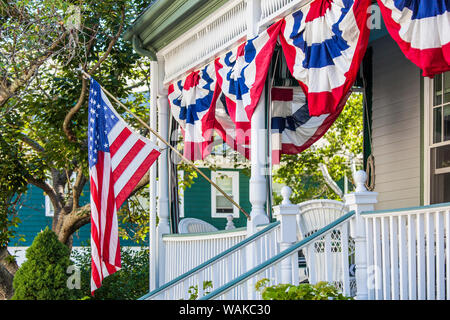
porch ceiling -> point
(165, 20)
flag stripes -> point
(118, 159)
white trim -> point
(427, 129)
(428, 138)
(234, 175)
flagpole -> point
(171, 147)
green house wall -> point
(33, 220)
(197, 200)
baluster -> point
(393, 229)
(403, 264)
(200, 280)
(312, 263)
(440, 257)
(294, 262)
(328, 259)
(421, 275)
(370, 255)
(430, 253)
(344, 259)
(377, 259)
(386, 258)
(412, 252)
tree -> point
(44, 275)
(335, 154)
(44, 97)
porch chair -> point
(314, 215)
(193, 225)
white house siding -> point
(395, 126)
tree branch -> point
(66, 124)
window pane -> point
(437, 125)
(440, 179)
(226, 184)
(447, 123)
(447, 87)
(223, 205)
(442, 157)
(437, 90)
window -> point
(439, 148)
(49, 210)
(228, 181)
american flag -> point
(118, 159)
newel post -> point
(287, 213)
(361, 200)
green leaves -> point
(304, 291)
(43, 276)
(342, 143)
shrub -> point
(129, 283)
(304, 291)
(43, 276)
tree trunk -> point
(8, 268)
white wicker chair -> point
(314, 215)
(193, 225)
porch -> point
(368, 254)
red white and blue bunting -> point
(422, 30)
(324, 44)
(293, 129)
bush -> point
(304, 291)
(43, 276)
(129, 283)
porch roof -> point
(164, 20)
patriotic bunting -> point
(324, 44)
(293, 129)
(422, 30)
(190, 102)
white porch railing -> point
(285, 264)
(187, 251)
(408, 253)
(188, 266)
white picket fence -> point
(408, 253)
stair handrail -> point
(206, 264)
(277, 258)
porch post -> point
(163, 176)
(153, 173)
(287, 213)
(359, 201)
(258, 154)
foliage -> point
(129, 283)
(43, 276)
(43, 119)
(342, 144)
(12, 182)
(304, 291)
(193, 290)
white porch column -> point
(153, 174)
(258, 154)
(163, 175)
(361, 200)
(287, 213)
